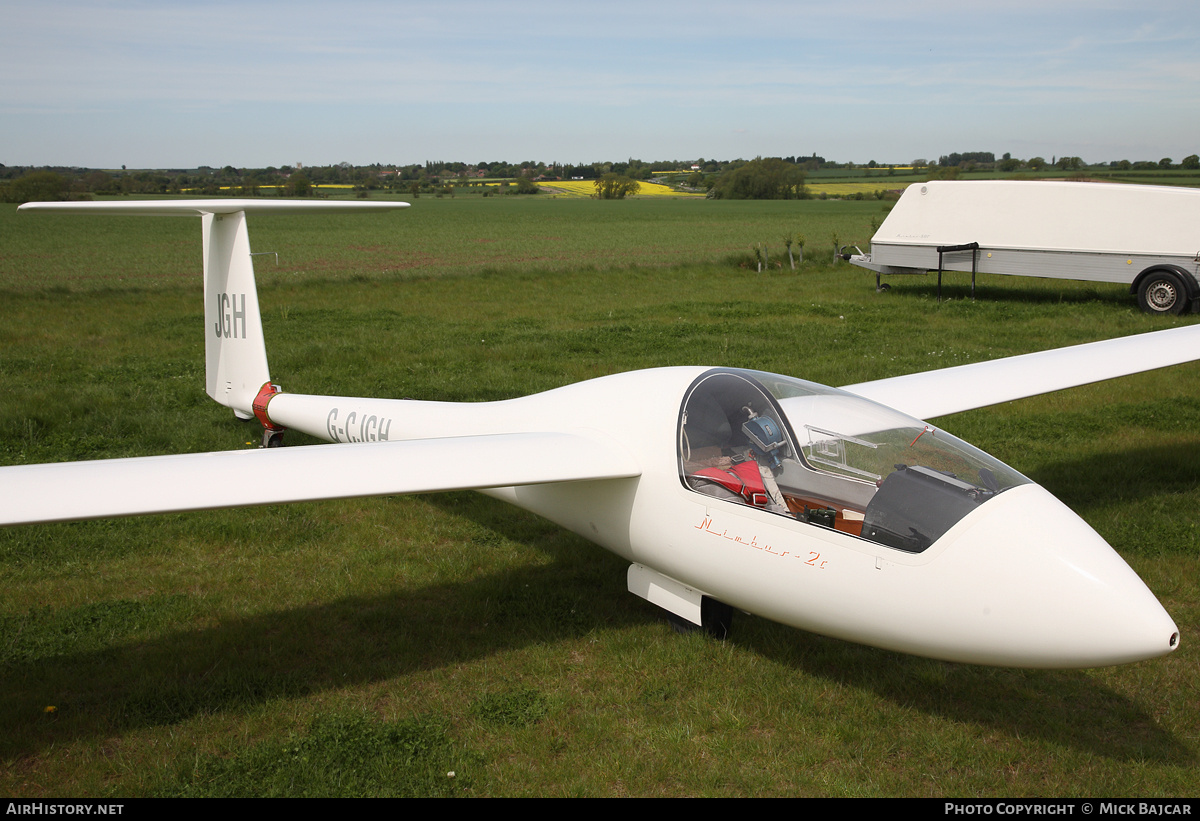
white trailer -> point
(1143, 236)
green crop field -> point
(449, 645)
(436, 237)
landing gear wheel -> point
(272, 439)
(716, 620)
(1162, 292)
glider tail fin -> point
(235, 351)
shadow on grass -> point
(247, 662)
(1065, 707)
(957, 286)
(1129, 475)
(242, 663)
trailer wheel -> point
(1161, 292)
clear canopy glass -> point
(839, 461)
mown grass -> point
(373, 646)
(441, 237)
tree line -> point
(760, 178)
(22, 183)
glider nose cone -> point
(1051, 591)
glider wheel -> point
(716, 620)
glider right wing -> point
(966, 387)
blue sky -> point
(102, 83)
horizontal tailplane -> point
(235, 351)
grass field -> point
(372, 647)
(438, 237)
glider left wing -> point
(68, 491)
(966, 387)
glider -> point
(837, 511)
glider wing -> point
(68, 491)
(966, 387)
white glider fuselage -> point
(815, 507)
(1021, 580)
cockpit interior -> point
(830, 459)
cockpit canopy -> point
(838, 460)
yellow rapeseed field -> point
(332, 185)
(587, 188)
(841, 189)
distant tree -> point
(527, 186)
(943, 172)
(758, 256)
(789, 239)
(637, 170)
(612, 186)
(956, 158)
(36, 186)
(99, 182)
(298, 185)
(1036, 163)
(762, 179)
(1191, 162)
(1164, 163)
